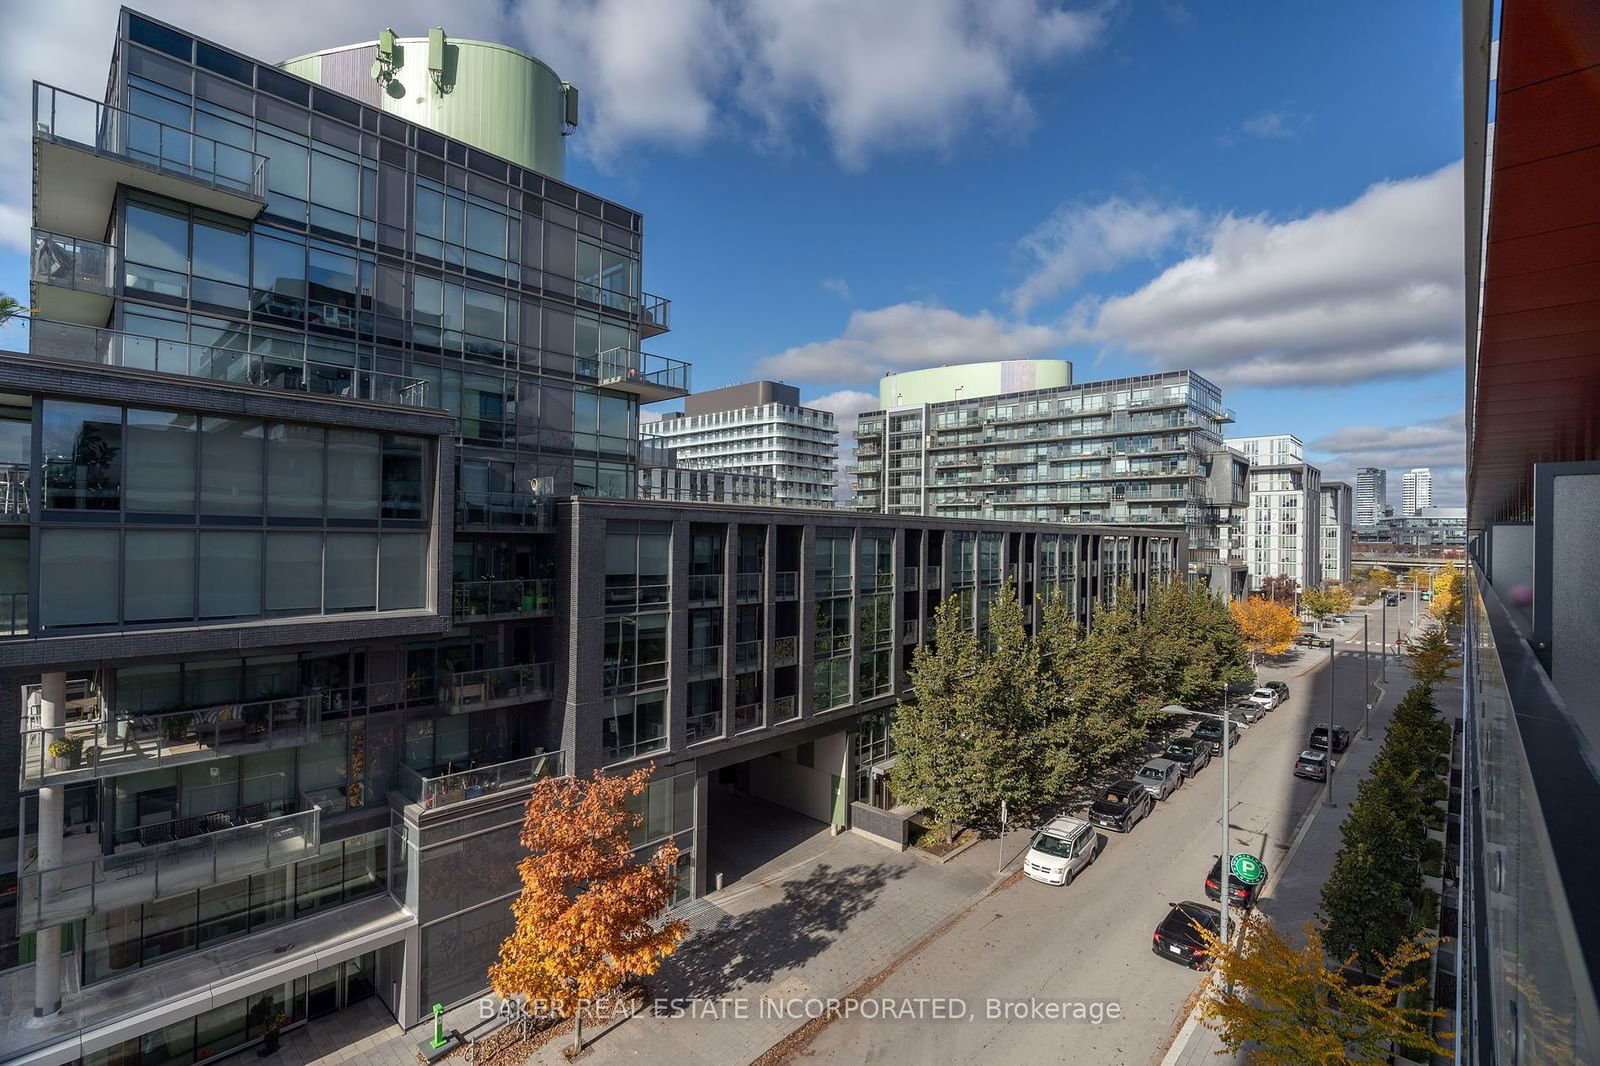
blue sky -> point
(1265, 192)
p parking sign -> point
(1248, 868)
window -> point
(294, 471)
(161, 462)
(634, 726)
(82, 456)
(635, 650)
(293, 573)
(158, 576)
(704, 721)
(654, 808)
(402, 571)
(354, 474)
(76, 568)
(231, 466)
(350, 572)
(230, 574)
(636, 569)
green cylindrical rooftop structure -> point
(486, 95)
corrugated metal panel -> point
(350, 72)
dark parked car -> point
(1280, 687)
(1312, 764)
(1121, 805)
(1190, 753)
(1319, 738)
(1177, 937)
(1211, 730)
(1239, 893)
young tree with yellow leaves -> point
(584, 918)
(1266, 628)
(1449, 590)
(1294, 1010)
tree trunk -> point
(577, 1032)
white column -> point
(47, 942)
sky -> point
(1269, 194)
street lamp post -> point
(1332, 648)
(1366, 671)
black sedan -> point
(1211, 730)
(1120, 806)
(1178, 939)
(1319, 739)
(1190, 753)
(1239, 893)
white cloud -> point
(839, 287)
(1268, 126)
(1369, 290)
(1437, 443)
(846, 405)
(1081, 239)
(906, 336)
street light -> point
(1332, 648)
(1225, 860)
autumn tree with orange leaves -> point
(585, 918)
(1266, 628)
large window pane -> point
(334, 183)
(294, 573)
(161, 462)
(157, 238)
(354, 474)
(77, 570)
(230, 466)
(405, 464)
(82, 456)
(294, 471)
(169, 927)
(221, 249)
(286, 165)
(278, 276)
(230, 574)
(351, 572)
(158, 576)
(402, 572)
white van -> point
(1060, 850)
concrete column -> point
(52, 806)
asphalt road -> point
(1089, 943)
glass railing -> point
(655, 312)
(832, 584)
(214, 849)
(74, 263)
(784, 708)
(747, 587)
(620, 366)
(16, 490)
(112, 743)
(747, 717)
(68, 118)
(434, 788)
(13, 614)
(491, 599)
(516, 510)
(747, 654)
(933, 576)
(880, 581)
(910, 577)
(705, 588)
(471, 689)
(785, 651)
(702, 660)
(105, 347)
(908, 630)
(786, 585)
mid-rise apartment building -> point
(1283, 523)
(661, 478)
(311, 571)
(1018, 441)
(1336, 531)
(1372, 496)
(760, 429)
(1416, 491)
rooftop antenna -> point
(383, 66)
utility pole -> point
(1366, 671)
(1332, 648)
(1226, 862)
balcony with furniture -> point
(497, 686)
(528, 512)
(485, 601)
(445, 786)
(646, 376)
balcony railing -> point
(74, 263)
(470, 690)
(433, 789)
(705, 588)
(219, 848)
(515, 598)
(784, 708)
(13, 614)
(833, 584)
(785, 651)
(786, 585)
(747, 588)
(630, 369)
(747, 717)
(910, 577)
(746, 655)
(106, 743)
(908, 630)
(16, 495)
(68, 118)
(933, 576)
(704, 661)
(654, 314)
(882, 581)
(503, 510)
(105, 347)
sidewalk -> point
(1292, 900)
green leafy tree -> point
(1365, 899)
(1319, 603)
(1431, 657)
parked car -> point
(1211, 730)
(1178, 936)
(1061, 850)
(1265, 698)
(1319, 738)
(1190, 753)
(1312, 641)
(1160, 777)
(1280, 687)
(1239, 893)
(1312, 764)
(1121, 805)
(1247, 711)
(1392, 601)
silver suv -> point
(1160, 777)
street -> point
(1090, 942)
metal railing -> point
(908, 630)
(655, 312)
(219, 851)
(746, 654)
(705, 588)
(784, 708)
(910, 577)
(786, 585)
(106, 347)
(110, 742)
(627, 365)
(73, 263)
(933, 576)
(747, 587)
(833, 584)
(515, 597)
(16, 490)
(516, 510)
(13, 614)
(467, 690)
(66, 117)
(703, 660)
(434, 789)
(747, 717)
(785, 651)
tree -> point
(1266, 628)
(1431, 657)
(1319, 603)
(1365, 899)
(1341, 598)
(9, 308)
(1279, 589)
(586, 912)
(1449, 592)
(1293, 1009)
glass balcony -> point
(785, 708)
(474, 690)
(526, 511)
(747, 655)
(910, 577)
(13, 614)
(705, 588)
(747, 717)
(933, 576)
(654, 315)
(515, 598)
(199, 851)
(747, 588)
(84, 149)
(785, 651)
(433, 789)
(705, 661)
(73, 279)
(649, 377)
(786, 585)
(99, 741)
(105, 347)
(908, 630)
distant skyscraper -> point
(1416, 491)
(1372, 495)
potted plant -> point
(270, 1035)
(65, 751)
